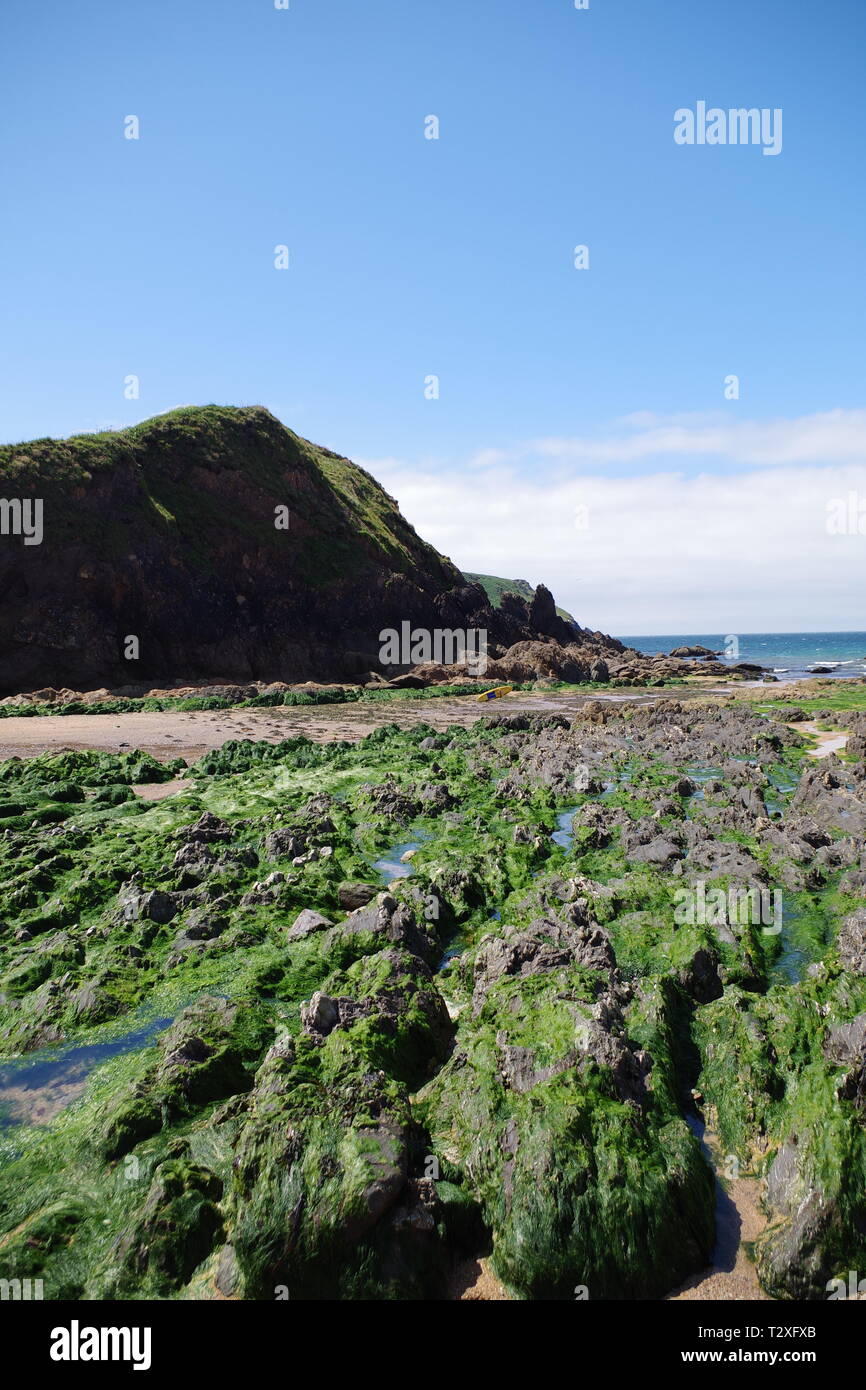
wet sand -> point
(171, 734)
(158, 791)
(475, 1280)
(739, 1219)
(829, 740)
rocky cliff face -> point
(228, 548)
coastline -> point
(190, 734)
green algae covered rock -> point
(47, 1233)
(175, 1229)
(268, 1073)
(584, 1172)
(321, 1157)
(204, 1058)
(787, 1097)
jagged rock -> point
(155, 905)
(702, 978)
(284, 844)
(795, 1258)
(845, 1046)
(851, 942)
(92, 1003)
(196, 857)
(228, 1277)
(306, 922)
(177, 1226)
(394, 923)
(321, 1014)
(660, 852)
(208, 830)
(845, 1043)
(548, 945)
(353, 895)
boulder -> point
(307, 922)
(354, 895)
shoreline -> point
(173, 733)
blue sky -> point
(453, 257)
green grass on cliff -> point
(200, 475)
(495, 587)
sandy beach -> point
(190, 734)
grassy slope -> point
(185, 463)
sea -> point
(789, 655)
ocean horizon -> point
(789, 655)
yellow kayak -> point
(495, 694)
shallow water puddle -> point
(460, 943)
(699, 773)
(623, 778)
(778, 794)
(563, 835)
(739, 1219)
(390, 864)
(801, 945)
(34, 1088)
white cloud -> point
(665, 552)
(832, 436)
